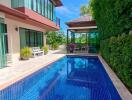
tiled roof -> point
(84, 18)
(57, 3)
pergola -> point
(84, 25)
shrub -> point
(25, 53)
(55, 46)
(45, 49)
(113, 17)
(117, 51)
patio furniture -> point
(84, 48)
(36, 51)
(71, 47)
(76, 49)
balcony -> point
(57, 21)
(32, 15)
(39, 10)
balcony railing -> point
(57, 21)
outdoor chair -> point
(84, 48)
(36, 51)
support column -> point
(67, 40)
(44, 39)
(86, 38)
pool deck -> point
(17, 71)
(21, 69)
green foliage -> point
(55, 46)
(84, 10)
(81, 38)
(25, 53)
(117, 51)
(55, 37)
(113, 17)
(45, 49)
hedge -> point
(114, 19)
(117, 51)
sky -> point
(69, 11)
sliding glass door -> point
(94, 42)
(30, 38)
(3, 45)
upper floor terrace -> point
(42, 11)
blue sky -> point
(69, 11)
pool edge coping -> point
(120, 87)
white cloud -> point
(65, 11)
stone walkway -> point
(22, 69)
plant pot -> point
(45, 53)
(24, 58)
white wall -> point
(2, 15)
(6, 2)
(14, 37)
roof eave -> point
(74, 23)
(12, 11)
(57, 3)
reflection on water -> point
(70, 78)
(83, 78)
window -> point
(30, 38)
(35, 5)
(17, 3)
(3, 48)
(39, 6)
(43, 7)
(1, 20)
(52, 11)
(46, 8)
(54, 15)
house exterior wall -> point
(14, 36)
(6, 2)
(28, 18)
(2, 15)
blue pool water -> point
(70, 78)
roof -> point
(84, 18)
(57, 3)
(83, 24)
(83, 21)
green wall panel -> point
(2, 45)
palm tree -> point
(84, 10)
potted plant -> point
(25, 53)
(45, 49)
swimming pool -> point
(70, 78)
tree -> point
(87, 9)
(55, 37)
(84, 10)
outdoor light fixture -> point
(16, 28)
